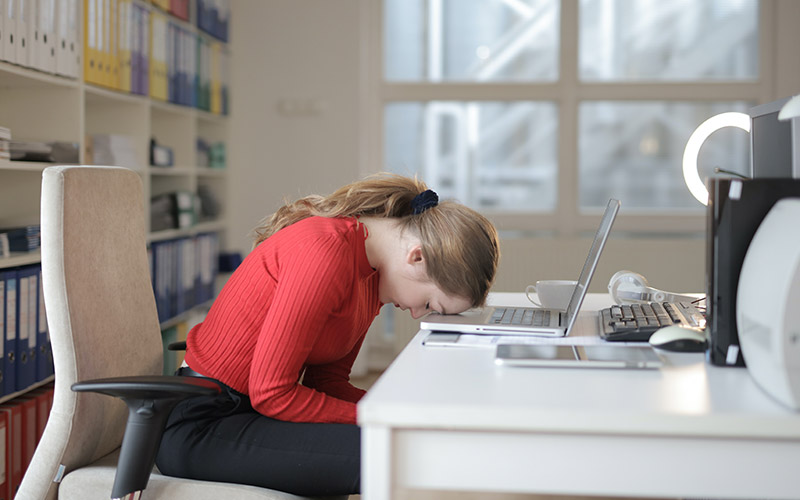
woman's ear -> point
(414, 256)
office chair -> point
(106, 338)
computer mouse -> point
(679, 339)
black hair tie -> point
(423, 201)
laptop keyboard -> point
(636, 322)
(524, 316)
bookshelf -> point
(41, 106)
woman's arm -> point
(311, 284)
(334, 378)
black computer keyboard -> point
(636, 322)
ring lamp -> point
(690, 174)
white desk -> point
(448, 418)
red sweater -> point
(297, 307)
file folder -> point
(66, 38)
(161, 266)
(144, 54)
(102, 42)
(46, 24)
(22, 44)
(124, 44)
(26, 329)
(183, 66)
(172, 63)
(44, 357)
(113, 48)
(10, 336)
(3, 14)
(13, 415)
(179, 271)
(32, 41)
(5, 488)
(136, 47)
(75, 40)
(158, 55)
(204, 97)
(28, 405)
(190, 55)
(3, 333)
(215, 104)
(92, 64)
(225, 83)
(10, 30)
(61, 38)
(180, 70)
(44, 402)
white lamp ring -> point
(690, 174)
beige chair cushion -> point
(95, 481)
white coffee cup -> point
(551, 294)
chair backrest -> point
(101, 312)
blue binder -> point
(181, 303)
(10, 334)
(27, 305)
(44, 356)
(160, 285)
(3, 333)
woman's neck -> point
(384, 242)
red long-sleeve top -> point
(298, 307)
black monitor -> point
(774, 144)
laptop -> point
(537, 321)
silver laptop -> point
(530, 320)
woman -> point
(283, 334)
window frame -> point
(567, 93)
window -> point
(678, 40)
(538, 111)
(487, 154)
(471, 40)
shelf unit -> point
(38, 106)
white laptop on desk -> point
(499, 320)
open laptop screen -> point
(590, 265)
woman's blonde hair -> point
(459, 245)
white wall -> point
(294, 105)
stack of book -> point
(19, 239)
(44, 151)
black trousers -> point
(222, 438)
